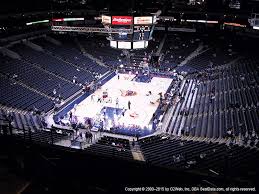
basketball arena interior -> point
(114, 96)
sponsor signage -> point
(143, 20)
(58, 20)
(106, 19)
(122, 20)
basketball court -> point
(115, 96)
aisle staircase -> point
(85, 53)
(194, 54)
(136, 151)
(161, 45)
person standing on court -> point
(117, 102)
(129, 104)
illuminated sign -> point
(154, 19)
(67, 19)
(122, 20)
(212, 22)
(58, 20)
(37, 22)
(106, 19)
(201, 21)
(143, 20)
(234, 24)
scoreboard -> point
(140, 26)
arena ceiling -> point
(17, 6)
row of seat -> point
(69, 52)
(16, 95)
(31, 126)
(45, 72)
(52, 64)
(102, 50)
(21, 122)
(219, 99)
(112, 147)
(176, 49)
(37, 78)
(203, 156)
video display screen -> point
(124, 45)
(139, 45)
(113, 44)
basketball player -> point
(92, 97)
(99, 99)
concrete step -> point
(137, 156)
(136, 152)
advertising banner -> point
(143, 20)
(106, 19)
(122, 20)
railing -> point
(89, 29)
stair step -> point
(137, 156)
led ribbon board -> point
(37, 22)
(67, 19)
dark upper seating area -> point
(69, 52)
(208, 158)
(102, 50)
(52, 64)
(210, 58)
(176, 48)
(113, 147)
